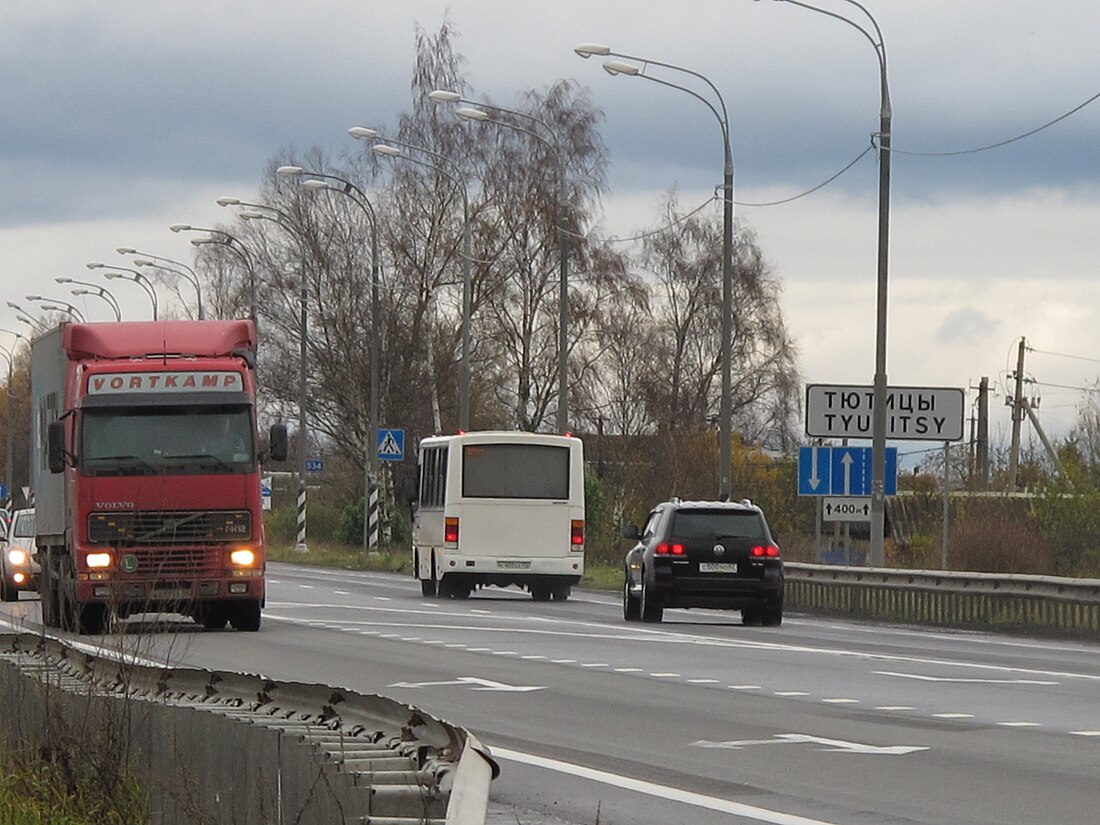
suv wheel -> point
(632, 609)
(772, 615)
(651, 608)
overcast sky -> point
(121, 117)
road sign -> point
(265, 493)
(391, 444)
(315, 465)
(846, 508)
(842, 471)
(912, 413)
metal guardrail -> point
(1017, 603)
(379, 762)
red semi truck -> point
(146, 472)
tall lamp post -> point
(478, 115)
(278, 216)
(24, 317)
(879, 393)
(134, 276)
(386, 150)
(184, 270)
(57, 305)
(94, 289)
(8, 472)
(725, 409)
(359, 197)
(227, 240)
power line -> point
(1001, 143)
(1064, 355)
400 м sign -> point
(912, 413)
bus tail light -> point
(576, 532)
(450, 530)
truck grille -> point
(172, 528)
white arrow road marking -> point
(474, 683)
(832, 745)
(923, 678)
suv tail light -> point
(769, 551)
(668, 548)
(576, 532)
(450, 530)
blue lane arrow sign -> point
(843, 471)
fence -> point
(246, 749)
(1017, 603)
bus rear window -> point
(515, 471)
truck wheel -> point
(47, 593)
(245, 616)
(540, 592)
(90, 619)
(8, 591)
(212, 616)
(428, 587)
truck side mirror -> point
(55, 447)
(279, 443)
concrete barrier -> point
(228, 747)
(1016, 603)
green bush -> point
(67, 789)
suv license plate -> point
(513, 565)
(715, 567)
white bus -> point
(499, 508)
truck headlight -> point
(243, 557)
(17, 556)
(98, 560)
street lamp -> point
(241, 251)
(281, 218)
(725, 413)
(25, 317)
(478, 115)
(134, 276)
(184, 270)
(57, 305)
(94, 289)
(385, 150)
(8, 472)
(359, 197)
(879, 393)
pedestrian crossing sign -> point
(391, 444)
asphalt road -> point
(696, 720)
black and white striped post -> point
(372, 517)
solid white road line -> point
(652, 789)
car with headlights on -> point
(709, 554)
(19, 562)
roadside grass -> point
(597, 575)
(66, 791)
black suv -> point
(717, 554)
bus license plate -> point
(716, 567)
(513, 565)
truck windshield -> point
(137, 441)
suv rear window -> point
(691, 524)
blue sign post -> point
(391, 444)
(842, 471)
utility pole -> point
(1017, 418)
(983, 433)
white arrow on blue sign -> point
(842, 471)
